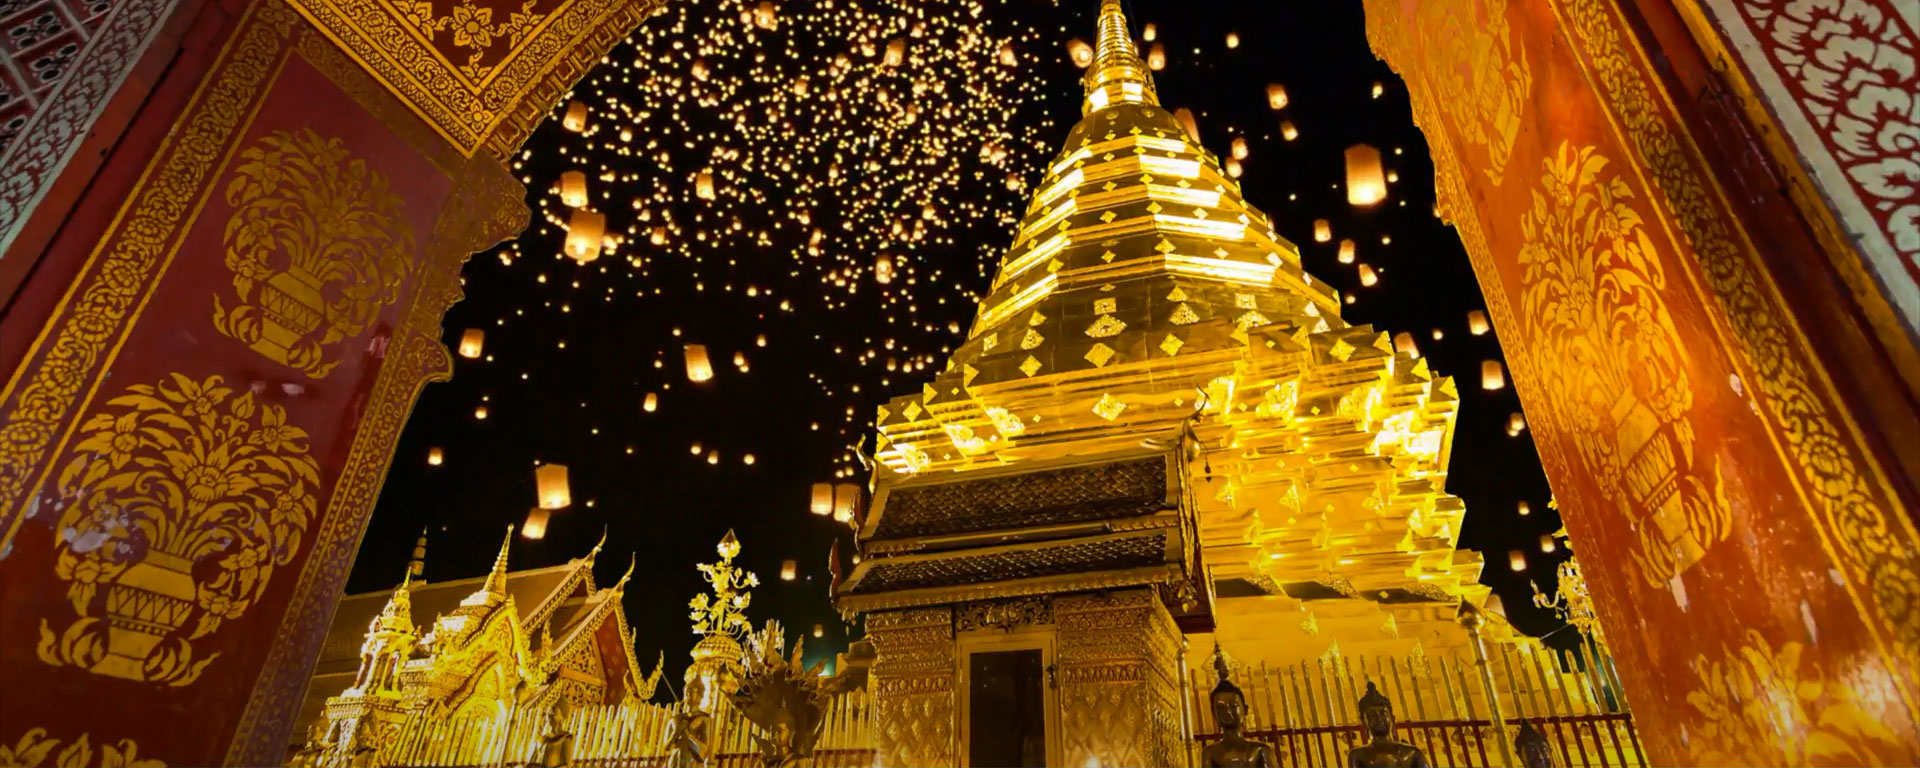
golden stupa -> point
(1153, 368)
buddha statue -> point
(556, 750)
(1229, 710)
(1533, 748)
(690, 729)
(1376, 712)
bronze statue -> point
(1229, 710)
(785, 698)
(1533, 748)
(556, 741)
(1383, 751)
(690, 729)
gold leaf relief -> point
(317, 246)
(181, 498)
(1592, 301)
(1481, 67)
(34, 748)
(1758, 706)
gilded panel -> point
(1118, 657)
(915, 712)
(35, 749)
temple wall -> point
(916, 714)
(1731, 491)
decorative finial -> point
(633, 559)
(601, 543)
(1117, 73)
(418, 564)
(1221, 671)
(497, 579)
(729, 546)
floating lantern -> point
(1185, 117)
(747, 459)
(573, 189)
(1477, 323)
(1378, 89)
(550, 481)
(822, 499)
(471, 341)
(480, 412)
(1239, 148)
(760, 340)
(740, 361)
(652, 402)
(789, 570)
(576, 118)
(703, 185)
(1516, 424)
(535, 528)
(846, 496)
(819, 630)
(1322, 231)
(1525, 509)
(896, 52)
(763, 15)
(1233, 40)
(883, 269)
(1233, 168)
(1367, 276)
(1007, 56)
(699, 369)
(1516, 560)
(1149, 32)
(435, 457)
(1366, 185)
(1276, 96)
(1157, 57)
(1547, 544)
(696, 449)
(1493, 375)
(586, 232)
(1287, 130)
(1403, 342)
(713, 457)
(1346, 251)
(1439, 334)
(1080, 52)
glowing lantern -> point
(1288, 131)
(703, 185)
(740, 361)
(576, 119)
(713, 457)
(1525, 509)
(1493, 375)
(471, 341)
(1378, 89)
(1516, 560)
(760, 340)
(1366, 184)
(1233, 40)
(819, 630)
(1346, 251)
(1185, 116)
(573, 189)
(480, 412)
(747, 459)
(550, 482)
(789, 570)
(1477, 323)
(1516, 423)
(1276, 96)
(1080, 52)
(883, 269)
(1547, 544)
(1233, 168)
(896, 52)
(1149, 33)
(846, 496)
(696, 449)
(1367, 276)
(1007, 57)
(763, 16)
(1403, 342)
(1157, 57)
(1322, 231)
(699, 369)
(1239, 148)
(535, 528)
(434, 457)
(822, 499)
(699, 69)
(586, 232)
(1439, 334)
(652, 402)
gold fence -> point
(1445, 704)
(624, 735)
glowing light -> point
(535, 527)
(1547, 544)
(1233, 40)
(699, 368)
(789, 570)
(1276, 96)
(1288, 131)
(1525, 509)
(822, 499)
(1493, 375)
(585, 230)
(1403, 342)
(471, 342)
(576, 119)
(1477, 323)
(651, 403)
(435, 457)
(573, 189)
(1516, 423)
(1346, 250)
(1367, 276)
(1365, 183)
(1322, 231)
(1080, 52)
(1516, 560)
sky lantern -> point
(1149, 32)
(846, 497)
(1346, 250)
(1366, 185)
(883, 269)
(763, 15)
(1276, 96)
(1322, 231)
(1368, 277)
(1233, 168)
(699, 369)
(1516, 423)
(703, 185)
(1516, 560)
(480, 413)
(789, 570)
(740, 361)
(1378, 89)
(1157, 57)
(576, 118)
(535, 528)
(1185, 116)
(1524, 508)
(550, 483)
(435, 456)
(1233, 40)
(652, 403)
(1493, 375)
(1477, 323)
(1239, 148)
(1080, 52)
(586, 233)
(1288, 131)
(1007, 56)
(896, 52)
(822, 499)
(1547, 544)
(1403, 342)
(819, 630)
(573, 189)
(471, 342)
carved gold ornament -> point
(180, 500)
(1592, 304)
(317, 246)
(474, 31)
(34, 750)
(1758, 707)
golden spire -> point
(497, 579)
(1117, 73)
(418, 564)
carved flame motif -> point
(1597, 324)
(316, 245)
(181, 500)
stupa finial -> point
(1117, 73)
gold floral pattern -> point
(1757, 706)
(1591, 300)
(474, 31)
(1487, 75)
(181, 499)
(34, 748)
(317, 246)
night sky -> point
(933, 182)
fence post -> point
(1471, 618)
